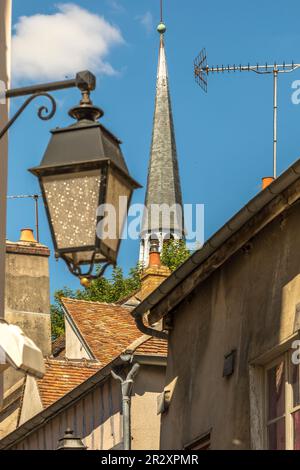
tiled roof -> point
(131, 300)
(62, 376)
(108, 329)
(58, 346)
(153, 347)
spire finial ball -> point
(161, 28)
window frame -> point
(289, 408)
(202, 442)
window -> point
(282, 392)
(202, 443)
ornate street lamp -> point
(83, 169)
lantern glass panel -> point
(118, 195)
(72, 200)
(85, 257)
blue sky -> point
(224, 138)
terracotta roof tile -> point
(153, 347)
(108, 329)
(62, 376)
(59, 346)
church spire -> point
(163, 185)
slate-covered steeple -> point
(163, 185)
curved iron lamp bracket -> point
(43, 112)
(77, 271)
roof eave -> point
(65, 402)
(150, 360)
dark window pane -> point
(205, 446)
(296, 421)
(276, 435)
(276, 394)
(201, 444)
(295, 384)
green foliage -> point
(174, 253)
(56, 311)
(101, 290)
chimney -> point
(155, 273)
(27, 292)
(266, 181)
(27, 236)
(27, 305)
(154, 255)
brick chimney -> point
(27, 292)
(155, 273)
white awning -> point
(19, 351)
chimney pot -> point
(154, 255)
(27, 236)
(266, 181)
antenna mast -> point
(202, 70)
(35, 197)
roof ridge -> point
(73, 362)
(96, 302)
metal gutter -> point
(146, 329)
(160, 361)
(255, 205)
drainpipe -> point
(127, 387)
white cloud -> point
(146, 21)
(115, 6)
(58, 45)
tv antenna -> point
(35, 197)
(202, 70)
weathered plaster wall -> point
(5, 49)
(249, 305)
(145, 421)
(32, 403)
(5, 59)
(27, 298)
(11, 405)
(74, 347)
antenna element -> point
(200, 68)
(201, 71)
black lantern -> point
(84, 168)
(70, 442)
